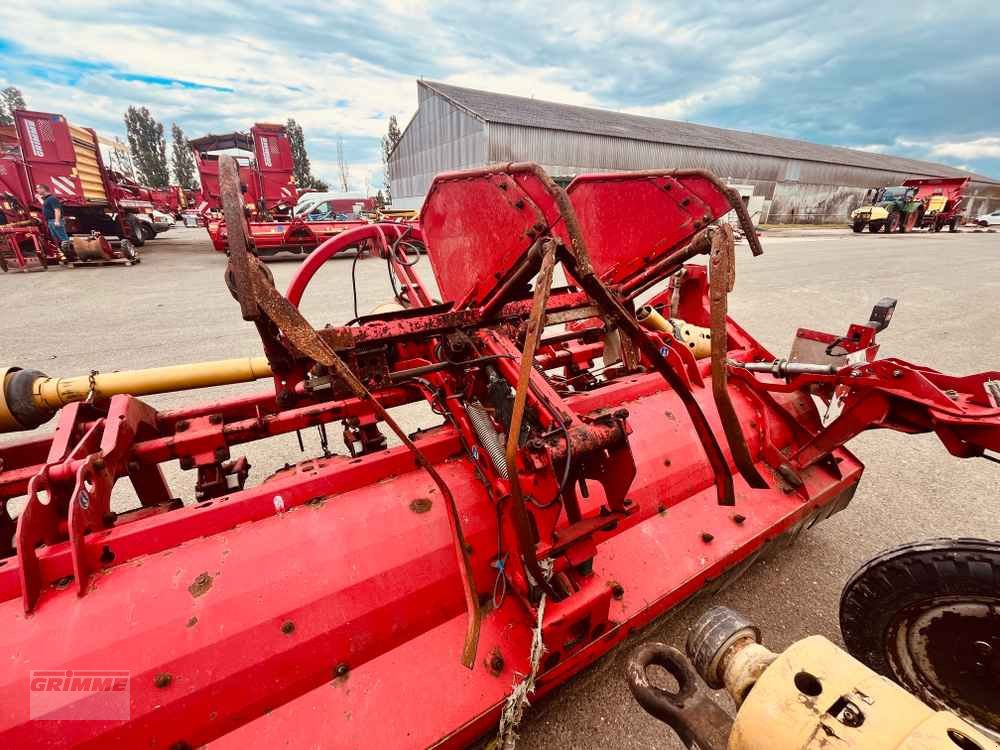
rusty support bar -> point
(721, 282)
(536, 322)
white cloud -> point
(980, 148)
(731, 90)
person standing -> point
(52, 212)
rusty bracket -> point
(722, 279)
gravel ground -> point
(173, 307)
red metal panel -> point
(632, 220)
(274, 164)
(47, 148)
(208, 174)
(477, 225)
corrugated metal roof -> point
(535, 113)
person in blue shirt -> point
(52, 212)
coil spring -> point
(488, 436)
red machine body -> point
(942, 199)
(208, 176)
(53, 152)
(267, 177)
(293, 235)
(548, 499)
(275, 167)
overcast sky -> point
(918, 79)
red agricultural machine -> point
(941, 201)
(268, 191)
(67, 159)
(598, 452)
(268, 188)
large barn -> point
(782, 180)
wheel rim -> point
(947, 651)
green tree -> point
(389, 142)
(148, 147)
(182, 158)
(10, 99)
(301, 169)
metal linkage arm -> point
(964, 412)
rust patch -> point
(201, 585)
(495, 663)
(192, 622)
(316, 502)
(421, 505)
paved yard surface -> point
(174, 308)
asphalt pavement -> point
(174, 308)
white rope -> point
(517, 701)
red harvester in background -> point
(391, 597)
(67, 158)
(268, 193)
(942, 202)
(266, 176)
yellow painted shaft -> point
(697, 338)
(53, 393)
(26, 403)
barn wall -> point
(442, 137)
(796, 191)
(439, 138)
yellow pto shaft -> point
(29, 398)
(696, 338)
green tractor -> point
(892, 209)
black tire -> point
(134, 233)
(892, 223)
(953, 225)
(927, 615)
(858, 226)
(876, 226)
(147, 233)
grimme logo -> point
(36, 142)
(82, 694)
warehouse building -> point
(782, 180)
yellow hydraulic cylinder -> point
(697, 338)
(27, 402)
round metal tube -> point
(47, 395)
